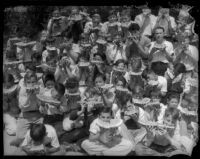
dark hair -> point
(36, 56)
(179, 68)
(31, 67)
(72, 83)
(159, 68)
(120, 61)
(134, 27)
(49, 77)
(37, 131)
(60, 88)
(106, 110)
(7, 77)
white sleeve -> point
(162, 112)
(67, 124)
(173, 23)
(104, 27)
(94, 128)
(142, 116)
(138, 21)
(187, 143)
(164, 85)
(169, 48)
(127, 77)
(54, 138)
(87, 27)
(44, 55)
(23, 99)
(27, 139)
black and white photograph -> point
(106, 80)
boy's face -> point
(173, 103)
(99, 82)
(121, 66)
(98, 58)
(112, 18)
(125, 18)
(31, 81)
(105, 117)
(50, 84)
(168, 119)
(159, 34)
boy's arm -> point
(94, 137)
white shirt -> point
(114, 54)
(139, 19)
(169, 47)
(194, 52)
(162, 113)
(162, 84)
(51, 133)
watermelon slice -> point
(48, 99)
(114, 123)
(83, 64)
(10, 90)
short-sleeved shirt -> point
(51, 134)
(162, 83)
